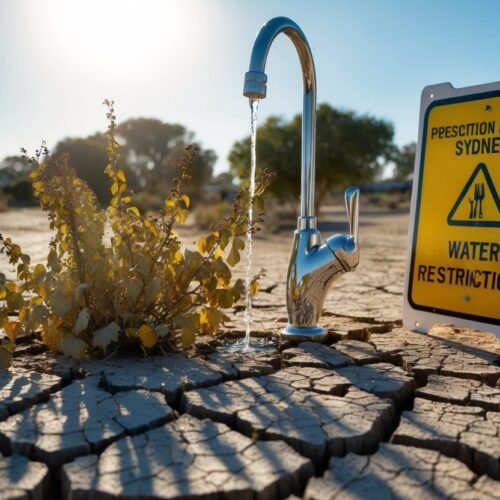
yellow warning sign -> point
(455, 255)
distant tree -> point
(404, 160)
(153, 148)
(88, 157)
(14, 180)
(349, 149)
(201, 169)
(14, 168)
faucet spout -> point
(313, 266)
(255, 88)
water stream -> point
(254, 105)
(244, 345)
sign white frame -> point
(417, 319)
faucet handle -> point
(352, 205)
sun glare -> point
(121, 38)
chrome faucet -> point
(313, 266)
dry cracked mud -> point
(376, 412)
(396, 471)
(188, 458)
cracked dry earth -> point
(376, 411)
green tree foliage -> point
(153, 148)
(349, 149)
(404, 160)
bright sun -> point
(119, 38)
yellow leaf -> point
(11, 287)
(112, 211)
(11, 329)
(181, 216)
(210, 318)
(147, 335)
(188, 335)
(126, 200)
(254, 287)
(238, 243)
(162, 331)
(186, 200)
(201, 244)
(233, 257)
(170, 203)
(38, 271)
(59, 303)
(15, 301)
(104, 336)
(222, 272)
(53, 261)
(211, 242)
(134, 210)
(38, 186)
(82, 321)
(133, 288)
(120, 175)
(225, 298)
(114, 188)
(52, 336)
(37, 314)
(73, 346)
(23, 311)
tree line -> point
(350, 149)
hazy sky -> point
(184, 60)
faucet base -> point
(312, 333)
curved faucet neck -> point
(255, 88)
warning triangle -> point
(478, 204)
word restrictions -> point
(453, 263)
